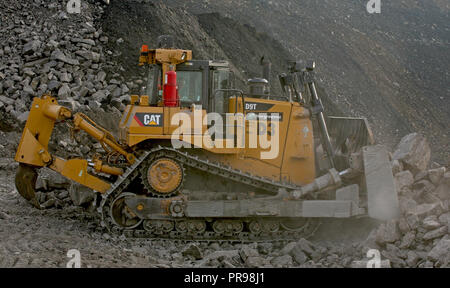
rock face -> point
(414, 152)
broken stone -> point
(255, 262)
(388, 232)
(101, 76)
(282, 261)
(403, 180)
(31, 47)
(305, 246)
(426, 209)
(413, 221)
(4, 216)
(414, 151)
(100, 96)
(49, 203)
(412, 259)
(23, 117)
(6, 100)
(431, 222)
(407, 240)
(435, 175)
(441, 252)
(407, 205)
(62, 195)
(435, 233)
(64, 92)
(59, 55)
(246, 252)
(443, 190)
(194, 251)
(396, 167)
(80, 194)
(444, 218)
(422, 188)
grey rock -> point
(255, 262)
(49, 203)
(435, 233)
(441, 252)
(4, 216)
(282, 261)
(80, 195)
(388, 232)
(63, 194)
(6, 100)
(23, 117)
(64, 92)
(414, 151)
(444, 218)
(31, 47)
(422, 188)
(194, 251)
(265, 248)
(288, 248)
(413, 259)
(101, 76)
(65, 77)
(443, 190)
(89, 55)
(407, 205)
(408, 240)
(403, 180)
(36, 62)
(397, 167)
(100, 95)
(246, 252)
(431, 222)
(125, 89)
(413, 221)
(435, 175)
(424, 210)
(59, 55)
(299, 256)
(305, 246)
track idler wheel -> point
(163, 177)
(25, 181)
(122, 215)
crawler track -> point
(198, 229)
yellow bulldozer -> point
(197, 158)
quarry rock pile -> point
(44, 49)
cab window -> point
(221, 81)
(189, 87)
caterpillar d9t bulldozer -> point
(197, 158)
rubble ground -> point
(419, 238)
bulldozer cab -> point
(199, 82)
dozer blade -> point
(381, 192)
(26, 177)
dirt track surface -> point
(42, 238)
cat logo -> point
(149, 119)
